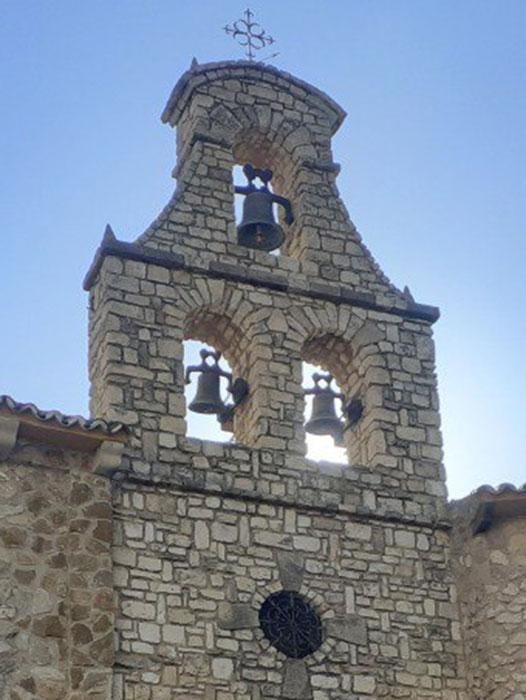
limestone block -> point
(366, 685)
(350, 628)
(234, 616)
(222, 668)
(108, 457)
(296, 681)
(291, 570)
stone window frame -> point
(348, 628)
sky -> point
(432, 155)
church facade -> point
(137, 563)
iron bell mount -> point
(258, 229)
(208, 399)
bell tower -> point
(244, 570)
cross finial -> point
(249, 34)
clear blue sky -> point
(432, 155)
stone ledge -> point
(199, 485)
(128, 251)
(336, 294)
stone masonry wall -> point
(490, 572)
(149, 586)
(141, 314)
(393, 489)
(196, 555)
(56, 587)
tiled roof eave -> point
(56, 418)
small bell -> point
(258, 229)
(208, 395)
(323, 420)
(207, 398)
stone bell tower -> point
(244, 570)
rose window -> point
(291, 624)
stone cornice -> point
(316, 289)
(357, 514)
(208, 72)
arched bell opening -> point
(216, 391)
(266, 151)
(333, 404)
(323, 415)
(239, 179)
(206, 393)
(261, 175)
(259, 226)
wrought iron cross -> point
(249, 34)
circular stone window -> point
(290, 624)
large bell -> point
(323, 420)
(208, 397)
(258, 229)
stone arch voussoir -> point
(261, 135)
(335, 346)
(214, 315)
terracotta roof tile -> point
(58, 418)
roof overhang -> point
(496, 506)
(25, 422)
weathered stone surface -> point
(296, 683)
(350, 628)
(236, 616)
(50, 684)
(8, 434)
(54, 564)
(490, 570)
(291, 570)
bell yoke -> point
(258, 229)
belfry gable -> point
(239, 113)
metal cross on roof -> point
(249, 34)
